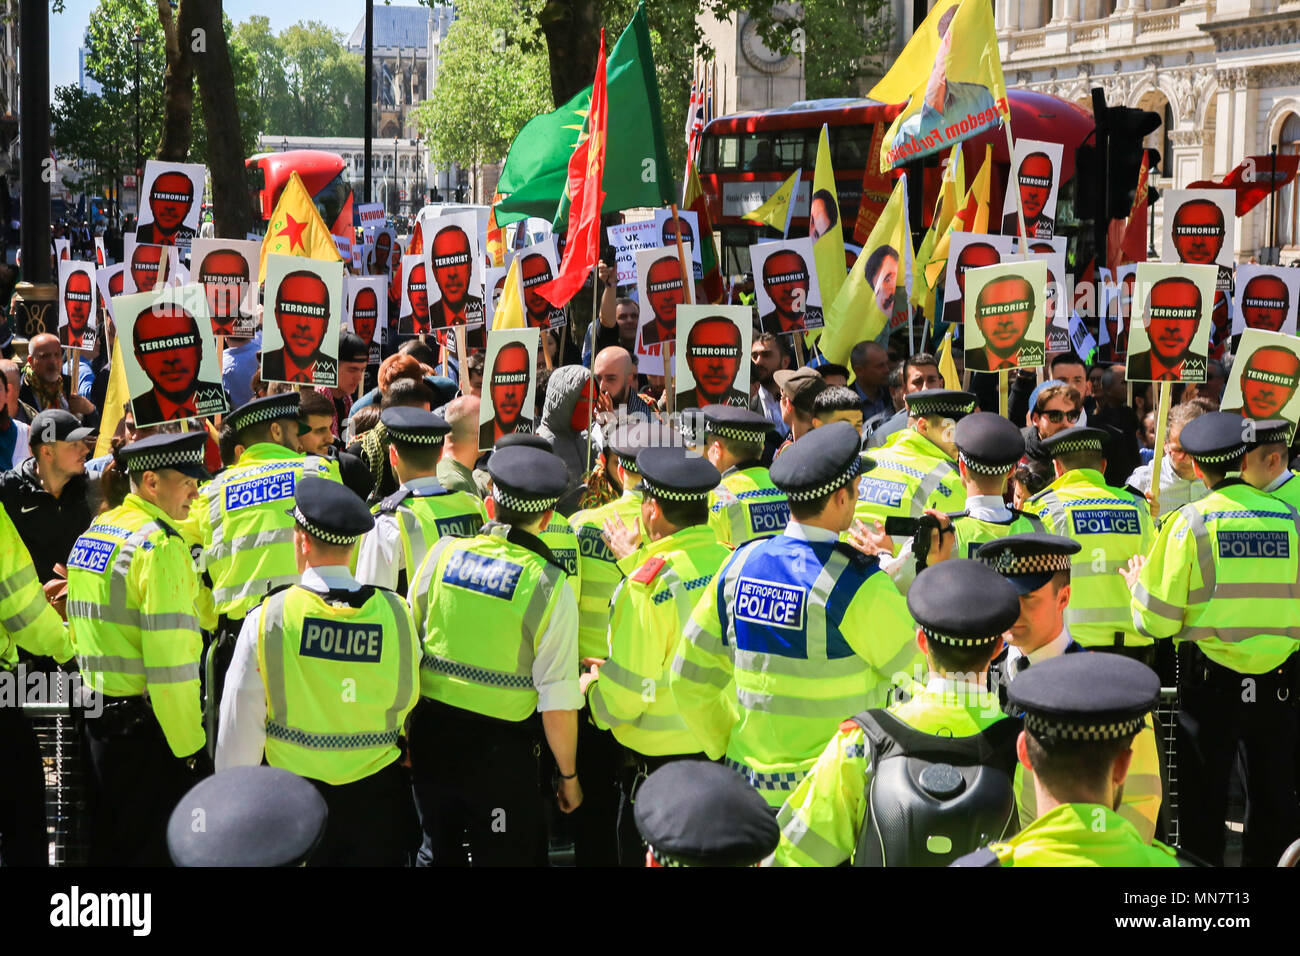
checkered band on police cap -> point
(1075, 443)
(665, 493)
(958, 641)
(1041, 725)
(414, 438)
(283, 405)
(151, 460)
(1222, 455)
(985, 468)
(1009, 564)
(520, 503)
(737, 432)
(850, 472)
(919, 405)
(1271, 432)
(329, 537)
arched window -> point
(1288, 199)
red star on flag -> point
(294, 231)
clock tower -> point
(750, 76)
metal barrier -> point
(65, 781)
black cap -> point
(444, 389)
(1078, 438)
(940, 401)
(252, 816)
(627, 440)
(181, 452)
(352, 348)
(821, 461)
(674, 474)
(1215, 438)
(414, 426)
(330, 511)
(1078, 697)
(526, 479)
(1028, 561)
(963, 603)
(1269, 431)
(989, 444)
(695, 813)
(738, 424)
(524, 440)
(56, 424)
(268, 408)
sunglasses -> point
(1055, 416)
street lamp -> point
(397, 198)
(419, 172)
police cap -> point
(674, 474)
(821, 461)
(940, 401)
(695, 813)
(268, 408)
(738, 424)
(352, 348)
(963, 603)
(1270, 431)
(1215, 438)
(989, 444)
(414, 426)
(523, 440)
(1078, 438)
(1085, 697)
(628, 439)
(330, 511)
(252, 816)
(181, 452)
(1028, 561)
(526, 479)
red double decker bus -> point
(322, 173)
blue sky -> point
(68, 28)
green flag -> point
(636, 159)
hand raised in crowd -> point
(80, 405)
(1133, 569)
(871, 540)
(621, 539)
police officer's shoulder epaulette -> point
(390, 504)
(862, 562)
(648, 571)
(1041, 494)
(981, 857)
(167, 530)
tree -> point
(306, 80)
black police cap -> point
(628, 439)
(738, 424)
(414, 426)
(823, 460)
(252, 816)
(330, 511)
(695, 813)
(940, 401)
(1269, 431)
(1076, 439)
(674, 474)
(180, 452)
(1029, 560)
(526, 479)
(523, 440)
(963, 603)
(268, 408)
(1082, 697)
(989, 444)
(352, 348)
(1215, 438)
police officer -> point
(420, 511)
(692, 813)
(1039, 566)
(1265, 464)
(28, 621)
(961, 609)
(135, 608)
(629, 691)
(558, 535)
(1111, 525)
(1081, 715)
(239, 525)
(499, 627)
(746, 505)
(1221, 580)
(794, 631)
(988, 449)
(323, 676)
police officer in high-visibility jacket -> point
(961, 609)
(746, 504)
(1221, 580)
(1112, 525)
(794, 631)
(692, 813)
(1081, 715)
(558, 535)
(917, 470)
(1039, 566)
(499, 626)
(629, 691)
(28, 621)
(1265, 465)
(323, 676)
(134, 601)
(420, 511)
(239, 525)
(988, 448)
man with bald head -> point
(615, 372)
(44, 383)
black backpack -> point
(933, 799)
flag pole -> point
(1014, 186)
(688, 288)
(1162, 422)
(591, 372)
(221, 363)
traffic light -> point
(1106, 171)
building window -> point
(1288, 144)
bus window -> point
(736, 241)
(719, 152)
(850, 146)
(756, 154)
(789, 149)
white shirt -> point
(22, 450)
(241, 734)
(380, 557)
(1174, 490)
(772, 409)
(808, 532)
(987, 508)
(1053, 648)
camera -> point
(918, 529)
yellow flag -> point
(971, 216)
(948, 367)
(916, 60)
(824, 214)
(952, 188)
(115, 400)
(776, 211)
(855, 314)
(510, 307)
(296, 228)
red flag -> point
(586, 172)
(1255, 178)
(693, 199)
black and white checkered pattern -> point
(521, 505)
(664, 493)
(329, 537)
(1010, 565)
(164, 459)
(242, 418)
(1042, 726)
(735, 433)
(983, 467)
(414, 438)
(1273, 434)
(1218, 457)
(1080, 443)
(920, 406)
(822, 490)
(957, 641)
